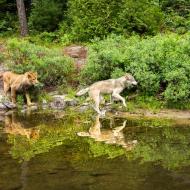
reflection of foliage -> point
(100, 149)
(149, 122)
(159, 141)
(0, 131)
(50, 136)
(168, 146)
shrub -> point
(52, 67)
(8, 23)
(141, 16)
(87, 19)
(160, 64)
(46, 14)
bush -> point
(46, 14)
(87, 19)
(160, 64)
(177, 15)
(143, 17)
(8, 23)
(52, 67)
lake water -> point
(60, 151)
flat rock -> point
(76, 51)
(84, 108)
(58, 102)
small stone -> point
(71, 102)
(2, 106)
(58, 102)
(84, 108)
(9, 105)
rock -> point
(34, 106)
(84, 108)
(8, 105)
(71, 102)
(58, 102)
(61, 101)
(28, 109)
(2, 106)
(78, 53)
(5, 103)
(53, 93)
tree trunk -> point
(22, 17)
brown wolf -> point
(110, 86)
(15, 127)
(16, 82)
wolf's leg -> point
(120, 128)
(97, 103)
(95, 96)
(13, 95)
(28, 100)
(116, 95)
(6, 90)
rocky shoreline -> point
(61, 102)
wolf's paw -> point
(103, 113)
(31, 104)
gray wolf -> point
(109, 135)
(110, 86)
(15, 82)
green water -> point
(60, 151)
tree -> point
(22, 17)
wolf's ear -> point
(29, 75)
(127, 76)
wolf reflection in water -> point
(108, 136)
(15, 127)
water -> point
(59, 151)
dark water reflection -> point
(43, 151)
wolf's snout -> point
(134, 83)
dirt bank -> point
(181, 117)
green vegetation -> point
(87, 19)
(159, 140)
(52, 67)
(160, 64)
(46, 14)
(51, 134)
(148, 38)
(166, 146)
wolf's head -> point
(130, 79)
(32, 78)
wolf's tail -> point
(82, 92)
